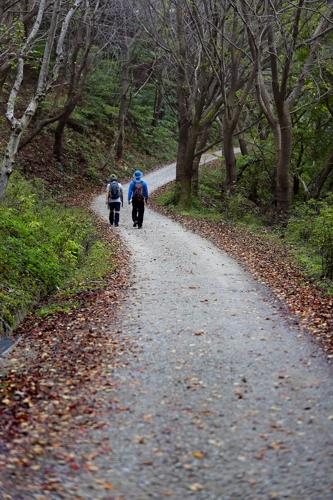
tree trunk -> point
(195, 175)
(18, 126)
(296, 185)
(229, 158)
(185, 157)
(58, 147)
(183, 132)
(158, 105)
(4, 72)
(263, 131)
(202, 141)
(9, 160)
(243, 146)
(283, 191)
(123, 104)
(325, 172)
(185, 194)
(253, 191)
(38, 128)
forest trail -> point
(222, 399)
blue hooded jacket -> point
(131, 188)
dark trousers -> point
(138, 209)
(114, 207)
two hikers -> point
(114, 198)
(138, 196)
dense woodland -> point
(178, 77)
(258, 73)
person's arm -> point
(130, 192)
(145, 191)
(107, 194)
(121, 195)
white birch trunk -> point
(18, 126)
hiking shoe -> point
(139, 227)
(135, 224)
(117, 225)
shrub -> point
(169, 197)
(238, 208)
(323, 240)
(312, 226)
(42, 243)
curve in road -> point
(222, 400)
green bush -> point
(42, 244)
(323, 239)
(238, 208)
(168, 197)
(311, 227)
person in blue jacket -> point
(138, 196)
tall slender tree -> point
(276, 31)
(53, 20)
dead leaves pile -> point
(56, 383)
(270, 264)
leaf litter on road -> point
(57, 385)
(270, 263)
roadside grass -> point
(56, 308)
(308, 237)
(45, 248)
(98, 263)
(207, 206)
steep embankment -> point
(44, 247)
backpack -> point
(138, 192)
(114, 191)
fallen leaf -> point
(239, 393)
(196, 487)
(107, 486)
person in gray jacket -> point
(114, 199)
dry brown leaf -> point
(196, 487)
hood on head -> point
(137, 175)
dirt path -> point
(222, 399)
(201, 390)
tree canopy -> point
(258, 73)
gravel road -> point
(221, 398)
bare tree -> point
(232, 64)
(172, 26)
(79, 64)
(275, 33)
(87, 42)
(50, 16)
(16, 17)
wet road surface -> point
(222, 399)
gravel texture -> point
(221, 398)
